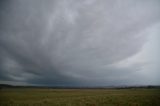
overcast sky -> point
(80, 42)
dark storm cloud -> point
(72, 42)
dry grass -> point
(79, 97)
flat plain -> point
(79, 97)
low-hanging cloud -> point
(71, 42)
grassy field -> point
(79, 97)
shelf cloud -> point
(79, 43)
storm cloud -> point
(76, 43)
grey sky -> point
(79, 42)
